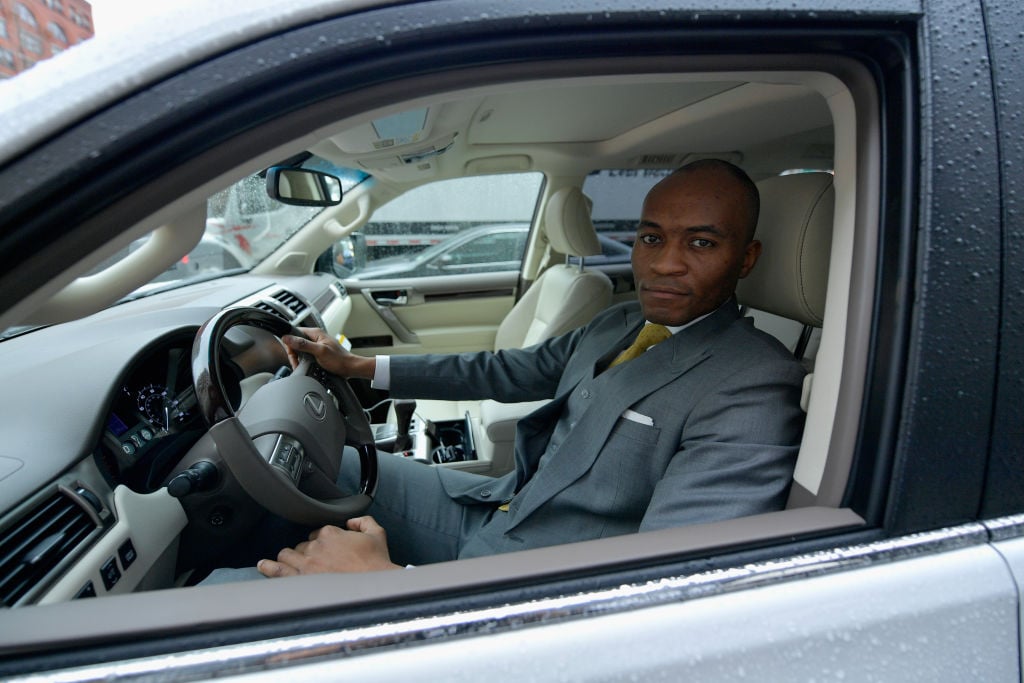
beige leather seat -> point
(564, 297)
(790, 281)
(795, 227)
(791, 276)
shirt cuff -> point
(382, 373)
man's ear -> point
(750, 255)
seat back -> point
(564, 296)
(795, 229)
(791, 276)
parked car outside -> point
(487, 248)
(133, 460)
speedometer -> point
(158, 406)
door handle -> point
(400, 300)
(382, 300)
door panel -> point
(947, 616)
(429, 315)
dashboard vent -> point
(292, 302)
(38, 542)
(269, 308)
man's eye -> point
(702, 243)
(649, 239)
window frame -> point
(632, 566)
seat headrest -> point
(795, 229)
(567, 223)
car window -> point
(618, 196)
(244, 225)
(452, 226)
(487, 248)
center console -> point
(439, 443)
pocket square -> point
(634, 416)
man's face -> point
(691, 246)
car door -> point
(1004, 486)
(889, 574)
(437, 268)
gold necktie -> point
(648, 337)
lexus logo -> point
(315, 406)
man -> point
(702, 426)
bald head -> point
(746, 190)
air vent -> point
(270, 308)
(38, 542)
(292, 302)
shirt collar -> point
(676, 329)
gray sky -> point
(111, 16)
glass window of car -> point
(243, 226)
(460, 225)
(618, 196)
(487, 248)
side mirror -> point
(303, 186)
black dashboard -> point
(153, 416)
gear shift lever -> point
(404, 408)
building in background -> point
(33, 30)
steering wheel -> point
(289, 432)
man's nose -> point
(670, 260)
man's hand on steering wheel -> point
(328, 353)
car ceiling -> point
(572, 126)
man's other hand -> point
(361, 548)
(330, 355)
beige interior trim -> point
(152, 522)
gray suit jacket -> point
(722, 397)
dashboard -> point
(102, 411)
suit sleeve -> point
(737, 451)
(510, 375)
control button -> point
(127, 554)
(128, 447)
(87, 591)
(110, 573)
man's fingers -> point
(323, 531)
(273, 570)
(366, 525)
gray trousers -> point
(423, 524)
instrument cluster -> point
(153, 411)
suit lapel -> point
(622, 387)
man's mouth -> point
(663, 292)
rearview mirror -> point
(303, 186)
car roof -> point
(105, 68)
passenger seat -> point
(564, 297)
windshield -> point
(243, 226)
